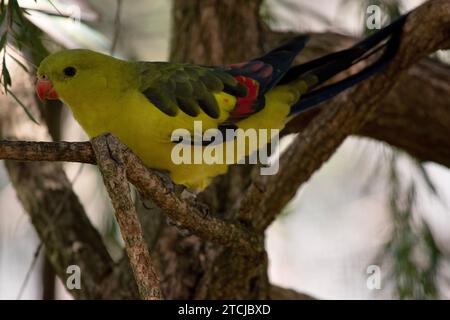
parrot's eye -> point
(69, 71)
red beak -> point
(45, 90)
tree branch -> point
(112, 167)
(416, 115)
(48, 151)
(149, 185)
(397, 116)
(187, 216)
(427, 29)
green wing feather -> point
(183, 87)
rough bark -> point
(213, 32)
(416, 116)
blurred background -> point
(369, 208)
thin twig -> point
(117, 26)
(34, 260)
(44, 238)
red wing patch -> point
(255, 76)
(244, 105)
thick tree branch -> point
(427, 29)
(48, 151)
(416, 115)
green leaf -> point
(3, 40)
(19, 63)
(29, 114)
(2, 13)
(15, 8)
(5, 75)
(426, 177)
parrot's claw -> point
(183, 232)
(164, 176)
(188, 195)
(191, 197)
(148, 204)
(203, 209)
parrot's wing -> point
(187, 88)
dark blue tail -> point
(328, 66)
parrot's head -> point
(71, 74)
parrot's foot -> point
(147, 203)
(188, 195)
(164, 176)
(191, 197)
(203, 208)
(183, 232)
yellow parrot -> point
(144, 103)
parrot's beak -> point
(45, 90)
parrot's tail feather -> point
(281, 59)
(278, 60)
(328, 66)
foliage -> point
(391, 10)
(415, 255)
(18, 33)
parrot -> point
(143, 103)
